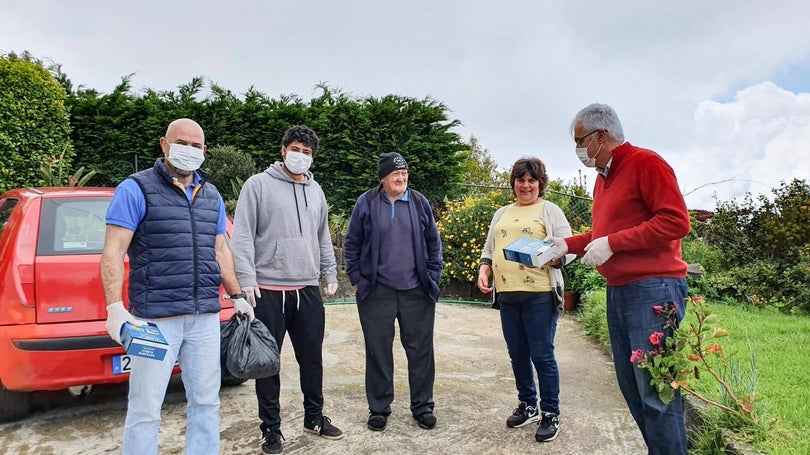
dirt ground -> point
(474, 393)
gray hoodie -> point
(281, 232)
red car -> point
(52, 307)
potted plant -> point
(579, 279)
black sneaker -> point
(522, 416)
(322, 426)
(549, 427)
(377, 422)
(426, 420)
(272, 441)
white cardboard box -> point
(529, 251)
(144, 341)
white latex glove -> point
(252, 293)
(117, 315)
(331, 288)
(562, 247)
(597, 252)
(241, 305)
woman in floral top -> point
(529, 298)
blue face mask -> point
(185, 157)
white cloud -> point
(757, 140)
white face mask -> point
(582, 154)
(297, 163)
(185, 157)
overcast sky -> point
(720, 88)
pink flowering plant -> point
(680, 354)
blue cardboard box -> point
(529, 251)
(144, 341)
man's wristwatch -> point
(240, 295)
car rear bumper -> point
(58, 356)
(31, 362)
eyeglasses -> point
(578, 140)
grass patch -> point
(781, 344)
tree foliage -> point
(33, 120)
(480, 169)
(355, 131)
(114, 132)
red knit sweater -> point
(640, 208)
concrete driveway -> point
(474, 394)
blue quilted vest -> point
(173, 267)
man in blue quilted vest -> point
(172, 225)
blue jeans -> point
(194, 344)
(529, 322)
(631, 319)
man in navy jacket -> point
(394, 261)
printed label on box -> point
(144, 341)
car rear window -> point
(5, 211)
(72, 226)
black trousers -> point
(415, 311)
(301, 314)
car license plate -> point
(121, 364)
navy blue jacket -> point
(173, 267)
(361, 246)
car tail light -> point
(27, 282)
(26, 254)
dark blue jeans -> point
(631, 319)
(529, 322)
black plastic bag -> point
(248, 349)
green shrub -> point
(225, 162)
(463, 227)
(766, 283)
(33, 120)
(696, 251)
(582, 278)
(594, 316)
(763, 245)
(228, 168)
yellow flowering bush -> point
(463, 229)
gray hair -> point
(599, 117)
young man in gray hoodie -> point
(281, 247)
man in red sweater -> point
(639, 219)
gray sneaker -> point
(549, 427)
(522, 416)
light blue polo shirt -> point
(128, 205)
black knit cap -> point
(390, 162)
